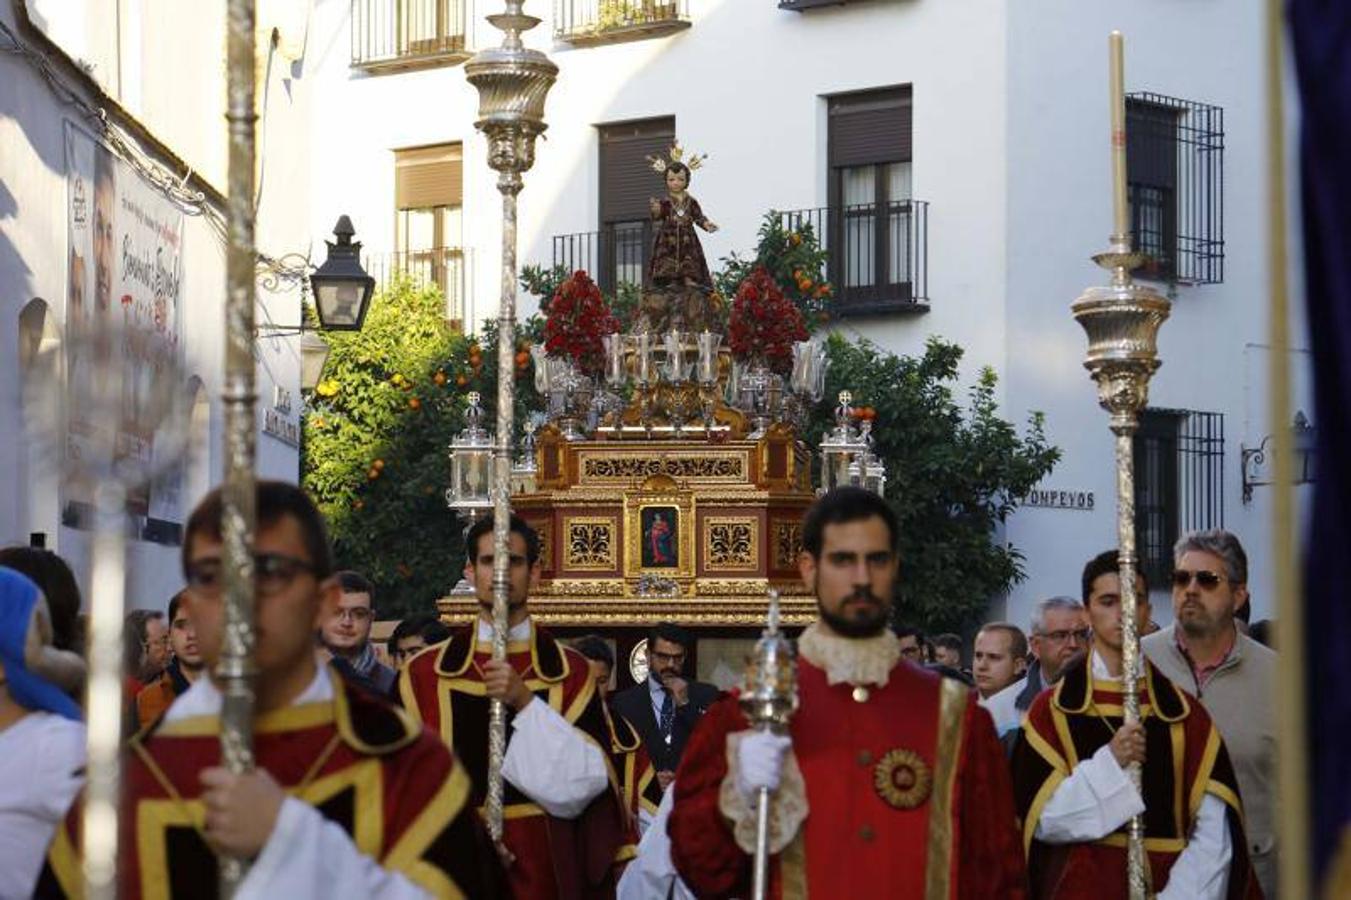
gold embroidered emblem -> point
(902, 779)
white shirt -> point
(1098, 798)
(557, 766)
(41, 771)
(651, 873)
(306, 855)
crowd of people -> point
(902, 773)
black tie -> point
(667, 716)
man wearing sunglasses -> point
(1071, 785)
(349, 797)
(1231, 674)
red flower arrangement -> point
(577, 320)
(764, 324)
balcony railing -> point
(616, 254)
(583, 22)
(877, 254)
(809, 4)
(444, 267)
(405, 34)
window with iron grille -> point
(1179, 483)
(405, 34)
(874, 232)
(1175, 185)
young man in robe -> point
(349, 795)
(890, 783)
(1075, 798)
(566, 830)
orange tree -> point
(376, 435)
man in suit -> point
(667, 705)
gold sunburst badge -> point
(902, 779)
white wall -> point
(33, 240)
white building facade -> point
(955, 157)
(132, 95)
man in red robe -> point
(891, 782)
(349, 796)
(1074, 798)
(566, 827)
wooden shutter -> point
(1151, 143)
(627, 181)
(429, 176)
(870, 127)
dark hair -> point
(595, 647)
(904, 631)
(518, 526)
(174, 602)
(949, 640)
(429, 627)
(1108, 562)
(134, 638)
(1264, 632)
(682, 169)
(355, 583)
(1017, 640)
(670, 631)
(845, 504)
(274, 501)
(57, 582)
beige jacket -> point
(1238, 697)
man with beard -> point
(1074, 796)
(1230, 673)
(890, 782)
(565, 825)
(666, 706)
(184, 667)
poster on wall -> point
(124, 278)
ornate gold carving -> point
(630, 467)
(902, 779)
(583, 587)
(545, 529)
(589, 543)
(731, 543)
(787, 543)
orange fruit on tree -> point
(439, 378)
(461, 381)
(522, 359)
(414, 403)
(378, 465)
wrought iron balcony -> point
(616, 254)
(809, 4)
(445, 267)
(587, 22)
(877, 254)
(388, 35)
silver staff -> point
(512, 82)
(768, 701)
(235, 672)
(1122, 321)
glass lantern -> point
(524, 468)
(842, 449)
(471, 463)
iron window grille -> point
(615, 255)
(1179, 483)
(584, 22)
(1175, 185)
(445, 267)
(404, 34)
(877, 254)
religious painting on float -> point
(660, 527)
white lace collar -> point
(850, 660)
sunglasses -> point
(1206, 579)
(272, 572)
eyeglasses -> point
(272, 572)
(677, 658)
(1206, 579)
(1081, 635)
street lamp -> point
(342, 289)
(314, 352)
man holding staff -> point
(890, 782)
